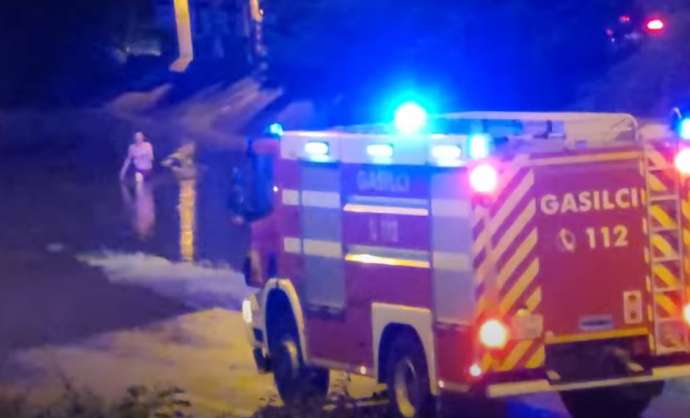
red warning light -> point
(624, 19)
(655, 25)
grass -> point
(138, 402)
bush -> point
(139, 402)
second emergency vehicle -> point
(495, 254)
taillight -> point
(493, 334)
(655, 25)
(475, 370)
(682, 161)
(484, 178)
(686, 313)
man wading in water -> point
(140, 155)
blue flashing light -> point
(446, 152)
(446, 155)
(479, 146)
(275, 129)
(317, 150)
(684, 129)
(380, 151)
(410, 118)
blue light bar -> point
(446, 152)
(479, 146)
(684, 129)
(410, 118)
(275, 129)
(316, 149)
(380, 151)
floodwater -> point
(55, 208)
(82, 206)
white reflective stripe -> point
(389, 252)
(292, 245)
(329, 200)
(385, 210)
(452, 261)
(330, 249)
(388, 201)
(388, 256)
(450, 208)
(290, 197)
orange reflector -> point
(682, 161)
(484, 178)
(493, 334)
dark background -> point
(350, 55)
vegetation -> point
(139, 402)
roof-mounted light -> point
(317, 151)
(479, 146)
(410, 118)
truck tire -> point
(627, 401)
(407, 378)
(298, 385)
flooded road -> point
(112, 285)
(85, 207)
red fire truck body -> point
(554, 262)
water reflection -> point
(140, 203)
(183, 165)
(182, 213)
(187, 213)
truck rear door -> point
(592, 246)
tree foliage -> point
(56, 50)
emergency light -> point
(682, 161)
(493, 334)
(479, 146)
(655, 25)
(684, 129)
(380, 151)
(484, 178)
(410, 118)
(316, 150)
(446, 154)
(275, 129)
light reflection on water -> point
(141, 205)
(187, 214)
(181, 213)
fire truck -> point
(486, 254)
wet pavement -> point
(109, 286)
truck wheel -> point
(628, 401)
(407, 378)
(297, 384)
